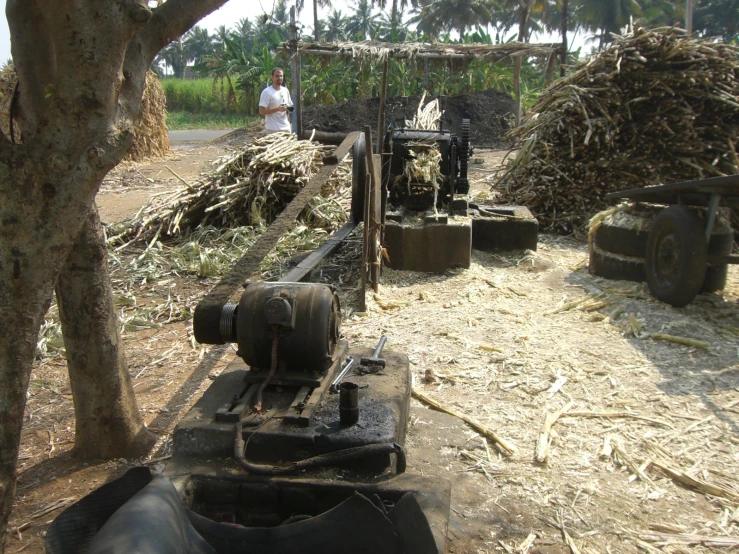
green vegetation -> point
(182, 120)
(196, 96)
(236, 62)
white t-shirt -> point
(272, 98)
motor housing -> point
(306, 316)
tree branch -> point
(171, 20)
(33, 52)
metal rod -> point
(713, 204)
(344, 370)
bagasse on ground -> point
(509, 341)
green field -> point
(180, 121)
(196, 104)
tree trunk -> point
(565, 14)
(83, 67)
(315, 21)
(107, 420)
(22, 309)
(393, 22)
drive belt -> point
(208, 311)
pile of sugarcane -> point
(654, 107)
(249, 186)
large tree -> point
(82, 67)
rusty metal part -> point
(275, 342)
(299, 272)
(348, 403)
(208, 311)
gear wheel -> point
(463, 184)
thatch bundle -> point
(151, 139)
(249, 186)
(654, 107)
(150, 134)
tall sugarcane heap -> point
(654, 107)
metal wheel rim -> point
(666, 262)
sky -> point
(234, 10)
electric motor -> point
(306, 318)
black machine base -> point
(281, 433)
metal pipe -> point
(348, 403)
(332, 458)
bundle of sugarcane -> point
(654, 107)
(249, 186)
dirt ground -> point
(644, 456)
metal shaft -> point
(380, 346)
(344, 370)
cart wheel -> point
(359, 178)
(675, 260)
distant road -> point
(196, 135)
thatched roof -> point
(150, 134)
(384, 50)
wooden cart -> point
(677, 247)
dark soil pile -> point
(490, 113)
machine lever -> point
(344, 370)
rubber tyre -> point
(359, 178)
(715, 279)
(676, 256)
(617, 267)
(633, 242)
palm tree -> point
(717, 18)
(363, 22)
(300, 4)
(607, 16)
(198, 43)
(336, 26)
(448, 15)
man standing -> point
(275, 103)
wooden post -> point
(425, 73)
(365, 240)
(517, 87)
(689, 16)
(372, 223)
(295, 72)
(565, 23)
(381, 116)
(550, 67)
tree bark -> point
(315, 21)
(82, 65)
(107, 420)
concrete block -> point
(504, 228)
(431, 247)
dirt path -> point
(508, 341)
